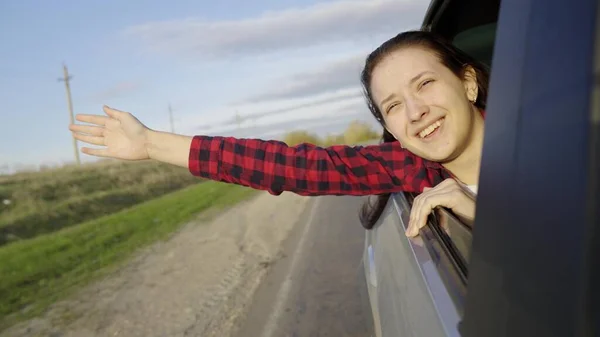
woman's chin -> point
(440, 155)
(440, 151)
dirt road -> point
(196, 284)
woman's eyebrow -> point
(385, 100)
(413, 80)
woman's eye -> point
(391, 107)
(424, 83)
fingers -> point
(114, 113)
(424, 206)
(91, 130)
(418, 216)
(101, 120)
(103, 152)
(418, 219)
(89, 139)
(92, 119)
(94, 134)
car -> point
(530, 265)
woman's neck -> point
(466, 166)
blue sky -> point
(279, 64)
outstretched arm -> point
(267, 165)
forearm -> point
(168, 147)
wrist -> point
(150, 143)
(167, 147)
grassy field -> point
(47, 201)
(37, 272)
(62, 228)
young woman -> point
(429, 97)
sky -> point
(280, 65)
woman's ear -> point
(470, 83)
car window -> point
(478, 42)
(471, 26)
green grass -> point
(37, 272)
(47, 201)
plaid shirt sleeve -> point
(307, 169)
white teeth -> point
(430, 128)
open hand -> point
(122, 135)
(447, 194)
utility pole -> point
(67, 79)
(171, 118)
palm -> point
(122, 135)
(126, 140)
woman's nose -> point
(416, 110)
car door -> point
(530, 266)
(535, 255)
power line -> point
(67, 78)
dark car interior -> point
(470, 24)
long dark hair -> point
(450, 56)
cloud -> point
(344, 96)
(338, 75)
(118, 90)
(321, 126)
(341, 112)
(336, 82)
(269, 111)
(319, 24)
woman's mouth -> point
(432, 129)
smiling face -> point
(424, 104)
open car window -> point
(469, 24)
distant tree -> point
(358, 132)
(301, 136)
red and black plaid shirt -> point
(311, 170)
